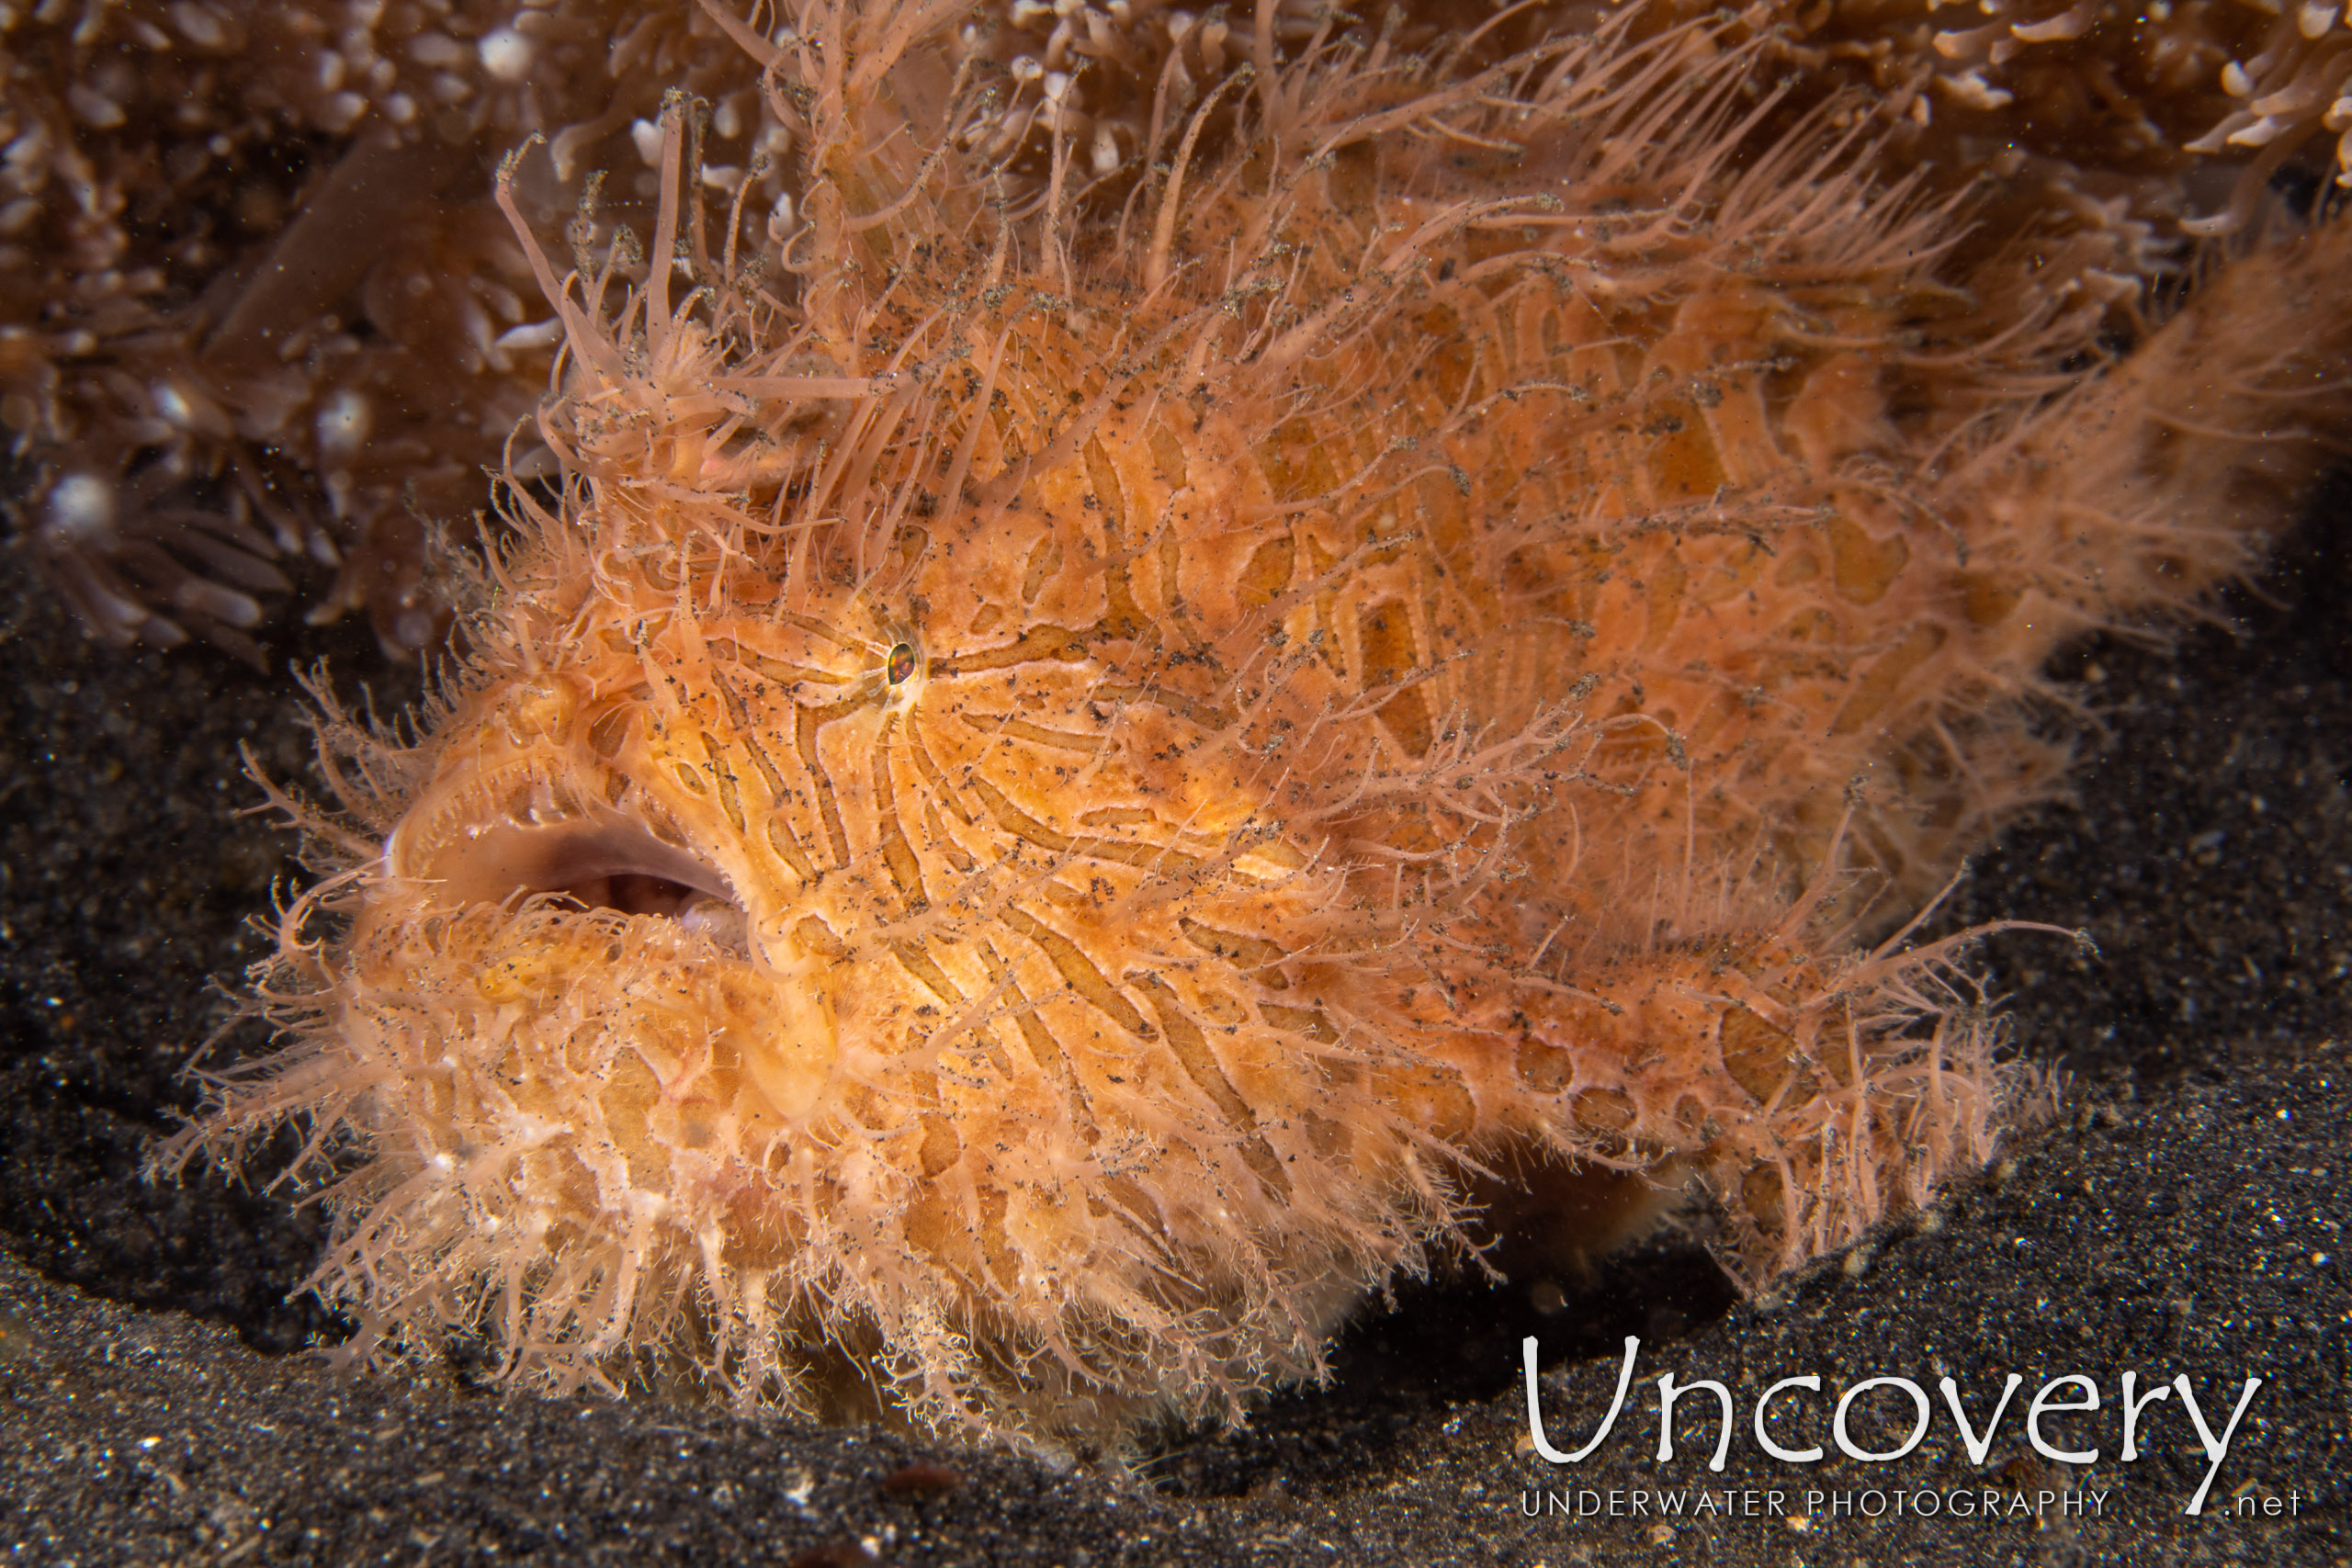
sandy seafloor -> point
(2183, 1216)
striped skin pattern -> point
(1062, 798)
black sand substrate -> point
(2181, 1217)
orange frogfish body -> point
(1072, 784)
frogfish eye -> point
(902, 663)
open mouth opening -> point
(632, 892)
(608, 865)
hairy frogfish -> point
(1080, 768)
